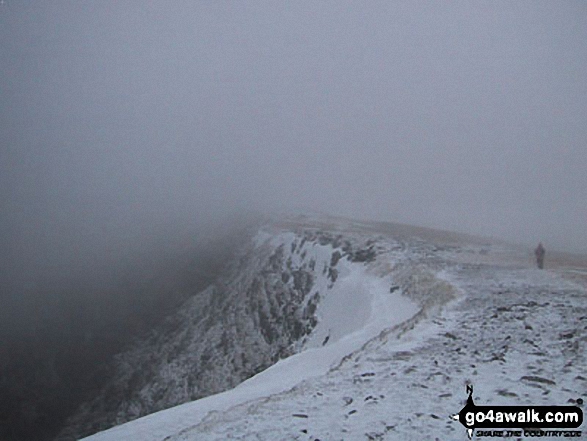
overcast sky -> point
(122, 118)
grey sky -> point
(121, 119)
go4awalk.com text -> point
(518, 421)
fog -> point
(125, 124)
(135, 135)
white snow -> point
(356, 310)
(385, 375)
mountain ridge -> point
(318, 259)
(265, 305)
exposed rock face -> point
(260, 311)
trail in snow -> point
(517, 334)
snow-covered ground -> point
(396, 361)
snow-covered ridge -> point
(386, 353)
(346, 289)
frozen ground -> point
(516, 333)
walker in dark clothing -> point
(539, 252)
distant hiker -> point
(539, 253)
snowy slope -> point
(288, 290)
(407, 328)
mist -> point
(125, 121)
(132, 133)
